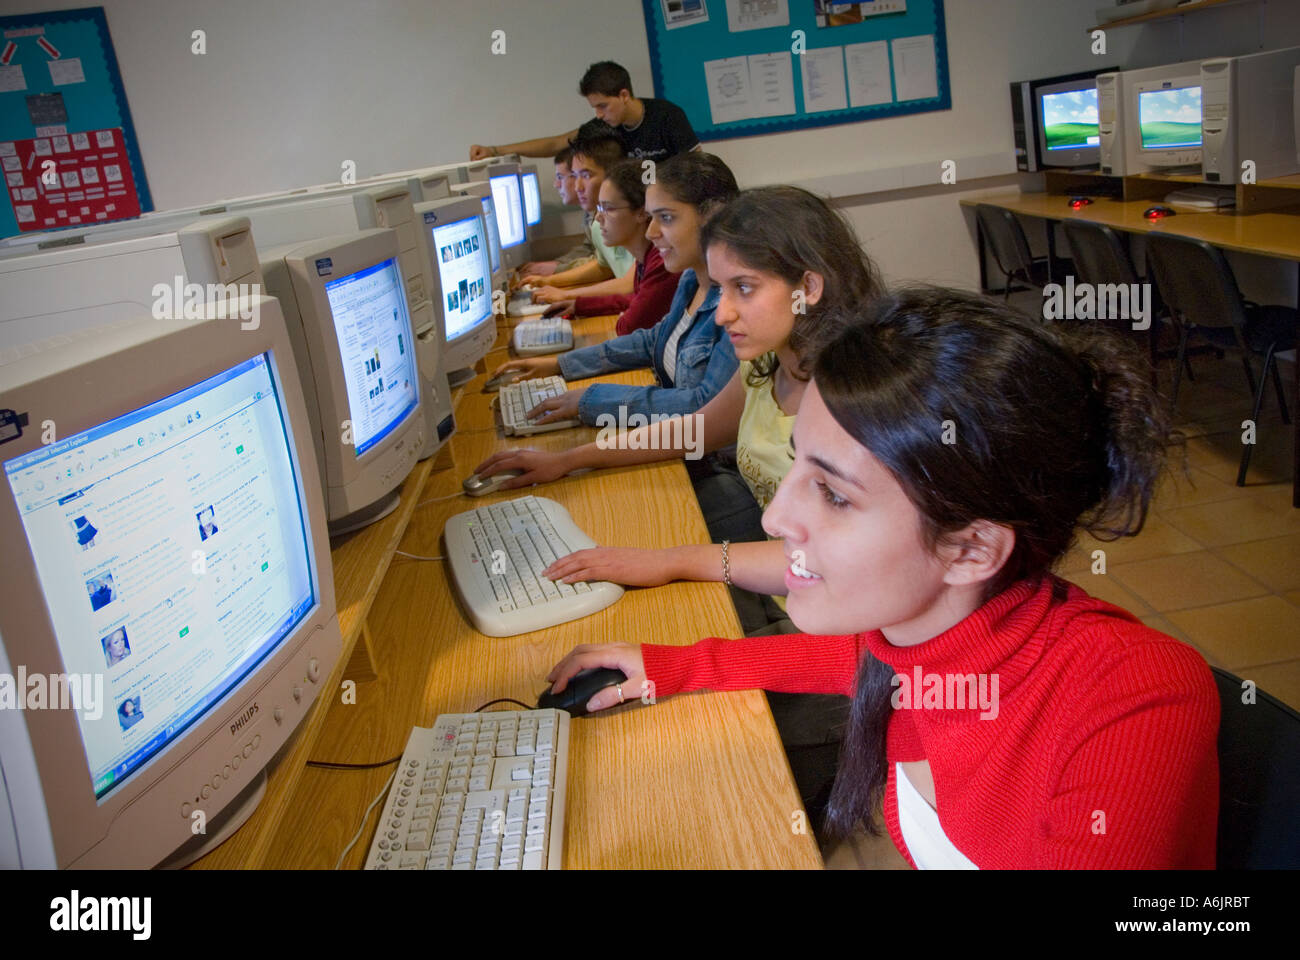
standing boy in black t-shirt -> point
(650, 129)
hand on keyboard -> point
(615, 656)
(630, 566)
(559, 308)
(550, 294)
(531, 366)
(538, 466)
(563, 407)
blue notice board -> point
(67, 145)
(745, 67)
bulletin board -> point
(739, 68)
(67, 145)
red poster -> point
(67, 180)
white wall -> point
(290, 89)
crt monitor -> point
(532, 198)
(166, 573)
(458, 242)
(1169, 122)
(346, 309)
(1067, 128)
(507, 198)
(494, 241)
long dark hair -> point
(983, 414)
(698, 178)
(626, 177)
(787, 232)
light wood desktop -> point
(695, 781)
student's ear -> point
(813, 286)
(976, 554)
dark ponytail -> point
(983, 414)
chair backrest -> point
(1006, 238)
(1099, 255)
(1259, 780)
(1194, 280)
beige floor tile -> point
(1157, 539)
(1186, 580)
(1243, 633)
(1195, 486)
(1281, 680)
(1232, 521)
(1220, 455)
(1294, 597)
(1275, 496)
(1106, 587)
(1274, 562)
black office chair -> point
(1259, 780)
(1006, 238)
(1200, 291)
(1100, 257)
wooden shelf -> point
(1169, 12)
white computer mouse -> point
(477, 486)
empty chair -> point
(1200, 292)
(1006, 238)
(1259, 779)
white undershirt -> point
(670, 348)
(926, 842)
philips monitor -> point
(345, 306)
(1122, 150)
(458, 241)
(1169, 122)
(507, 199)
(532, 200)
(49, 286)
(166, 575)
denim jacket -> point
(705, 363)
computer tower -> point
(1248, 113)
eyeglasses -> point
(605, 208)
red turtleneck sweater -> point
(1102, 752)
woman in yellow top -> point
(788, 265)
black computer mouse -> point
(1158, 212)
(582, 687)
(1077, 203)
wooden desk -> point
(698, 780)
(1268, 233)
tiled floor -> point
(1217, 565)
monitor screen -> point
(466, 277)
(509, 208)
(373, 328)
(1070, 119)
(494, 238)
(1170, 118)
(532, 199)
(173, 556)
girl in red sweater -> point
(944, 454)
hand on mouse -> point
(615, 656)
(559, 307)
(630, 566)
(530, 367)
(538, 466)
(562, 407)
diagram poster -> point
(774, 65)
(68, 149)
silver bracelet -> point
(726, 564)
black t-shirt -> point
(663, 132)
